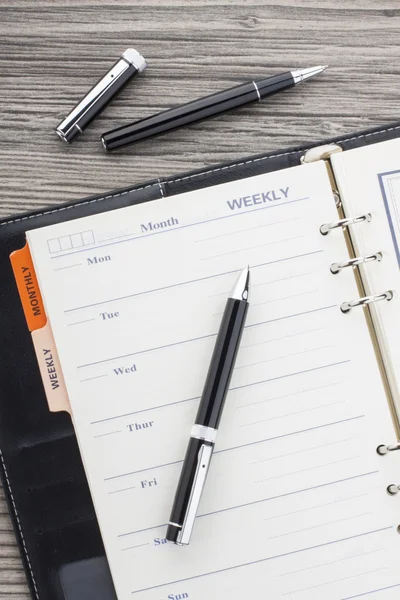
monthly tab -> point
(28, 288)
(42, 336)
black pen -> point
(204, 108)
(204, 431)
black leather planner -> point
(41, 468)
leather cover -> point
(41, 467)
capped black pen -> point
(206, 107)
(204, 431)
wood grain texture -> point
(51, 51)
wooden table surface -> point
(51, 51)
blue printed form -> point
(295, 504)
(390, 187)
(369, 182)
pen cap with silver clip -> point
(130, 63)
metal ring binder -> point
(347, 306)
(326, 227)
(353, 262)
(382, 449)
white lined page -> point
(295, 499)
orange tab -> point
(50, 369)
(28, 288)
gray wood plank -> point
(52, 50)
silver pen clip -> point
(203, 464)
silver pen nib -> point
(302, 74)
(241, 289)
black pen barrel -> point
(222, 364)
(170, 119)
(197, 110)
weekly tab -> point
(295, 499)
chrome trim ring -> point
(201, 432)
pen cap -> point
(130, 63)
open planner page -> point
(369, 181)
(295, 504)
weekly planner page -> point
(295, 505)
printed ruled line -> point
(306, 312)
(282, 337)
(116, 237)
(138, 237)
(295, 276)
(181, 283)
(232, 389)
(308, 449)
(138, 546)
(254, 443)
(318, 585)
(341, 362)
(254, 285)
(267, 558)
(327, 523)
(285, 435)
(279, 299)
(308, 469)
(290, 297)
(143, 410)
(296, 393)
(308, 508)
(95, 377)
(168, 464)
(389, 587)
(331, 562)
(108, 433)
(214, 237)
(290, 239)
(68, 267)
(142, 530)
(284, 356)
(80, 322)
(181, 343)
(202, 337)
(291, 414)
(132, 487)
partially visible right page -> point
(369, 182)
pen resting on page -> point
(204, 431)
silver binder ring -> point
(326, 227)
(382, 449)
(354, 262)
(393, 489)
(347, 306)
